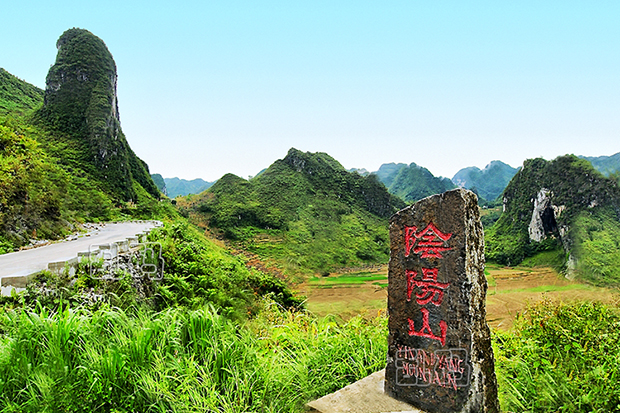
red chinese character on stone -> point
(430, 289)
(426, 331)
(430, 241)
(430, 274)
(410, 282)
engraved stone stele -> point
(440, 357)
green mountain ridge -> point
(607, 165)
(488, 183)
(388, 171)
(305, 211)
(564, 205)
(412, 183)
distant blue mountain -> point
(606, 165)
(181, 187)
(488, 183)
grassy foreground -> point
(178, 360)
(560, 358)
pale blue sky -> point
(210, 87)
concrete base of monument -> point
(363, 396)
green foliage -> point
(5, 246)
(554, 258)
(489, 216)
(597, 246)
(17, 96)
(414, 182)
(178, 360)
(39, 198)
(511, 249)
(198, 272)
(306, 211)
(562, 357)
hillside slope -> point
(17, 96)
(566, 205)
(305, 211)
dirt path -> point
(510, 291)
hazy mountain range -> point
(173, 187)
(413, 182)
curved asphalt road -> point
(23, 263)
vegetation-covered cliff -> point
(63, 156)
(81, 107)
(563, 205)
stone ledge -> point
(363, 396)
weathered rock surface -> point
(439, 357)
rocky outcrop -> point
(543, 202)
(543, 216)
(81, 102)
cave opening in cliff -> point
(548, 220)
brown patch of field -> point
(510, 291)
(329, 295)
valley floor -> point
(511, 289)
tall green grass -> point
(179, 360)
(561, 358)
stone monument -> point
(440, 357)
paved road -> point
(26, 262)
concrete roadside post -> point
(440, 357)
